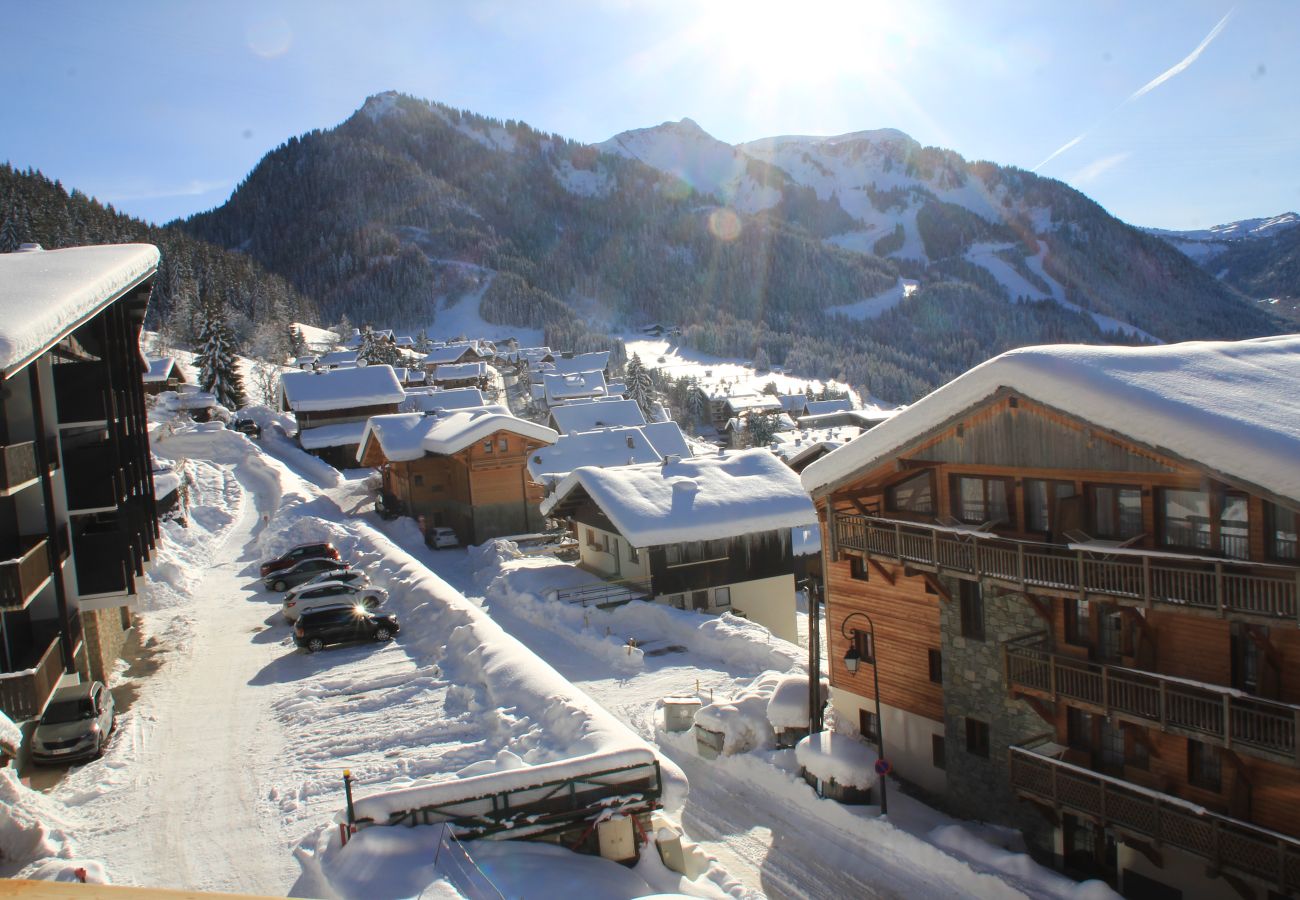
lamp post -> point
(851, 660)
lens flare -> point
(724, 224)
(269, 36)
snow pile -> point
(46, 293)
(788, 706)
(696, 499)
(34, 836)
(841, 758)
(1230, 406)
(11, 737)
(340, 388)
(742, 719)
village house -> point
(557, 389)
(606, 447)
(336, 359)
(1074, 571)
(570, 364)
(332, 407)
(78, 516)
(435, 399)
(462, 375)
(587, 415)
(163, 375)
(708, 533)
(465, 469)
(449, 355)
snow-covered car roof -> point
(341, 388)
(44, 294)
(701, 498)
(1231, 406)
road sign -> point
(884, 767)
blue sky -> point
(161, 108)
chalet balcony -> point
(23, 571)
(103, 560)
(1226, 588)
(1205, 712)
(19, 467)
(79, 392)
(90, 479)
(1228, 845)
(25, 691)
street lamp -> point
(851, 660)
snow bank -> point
(696, 499)
(1230, 406)
(788, 707)
(11, 737)
(742, 719)
(34, 836)
(843, 758)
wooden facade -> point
(483, 491)
(1165, 655)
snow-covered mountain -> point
(1258, 257)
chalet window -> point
(1115, 512)
(677, 600)
(868, 725)
(722, 596)
(1078, 622)
(1041, 498)
(914, 495)
(1245, 655)
(487, 446)
(1078, 729)
(865, 643)
(1234, 526)
(977, 738)
(1204, 769)
(699, 600)
(1112, 746)
(938, 753)
(1282, 526)
(632, 555)
(418, 479)
(503, 444)
(673, 554)
(980, 500)
(858, 568)
(1138, 754)
(1186, 518)
(936, 666)
(592, 540)
(972, 610)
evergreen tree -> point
(640, 387)
(297, 346)
(377, 350)
(761, 426)
(218, 372)
(9, 237)
(762, 363)
(696, 406)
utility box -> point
(617, 839)
(679, 713)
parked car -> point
(354, 577)
(76, 724)
(318, 550)
(441, 536)
(308, 597)
(299, 572)
(317, 628)
(387, 505)
(246, 426)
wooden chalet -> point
(1076, 571)
(332, 407)
(465, 469)
(163, 375)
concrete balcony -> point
(1206, 712)
(24, 693)
(1233, 589)
(1228, 845)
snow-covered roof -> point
(700, 498)
(44, 294)
(341, 388)
(793, 403)
(578, 385)
(337, 359)
(408, 376)
(754, 403)
(856, 418)
(442, 356)
(818, 407)
(585, 416)
(596, 361)
(323, 436)
(604, 447)
(460, 371)
(160, 370)
(406, 436)
(667, 439)
(1231, 406)
(453, 398)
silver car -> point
(330, 593)
(76, 724)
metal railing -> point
(614, 593)
(1223, 588)
(23, 694)
(1207, 712)
(1228, 844)
(21, 576)
(18, 465)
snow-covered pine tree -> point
(297, 346)
(377, 350)
(761, 426)
(640, 387)
(696, 404)
(9, 238)
(218, 373)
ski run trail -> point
(231, 753)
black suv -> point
(342, 625)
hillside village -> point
(1032, 635)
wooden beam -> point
(1243, 888)
(881, 570)
(1039, 707)
(1041, 609)
(905, 465)
(1146, 848)
(937, 586)
(1136, 617)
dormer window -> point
(914, 495)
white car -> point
(330, 593)
(75, 725)
(354, 577)
(441, 536)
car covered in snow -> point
(245, 425)
(308, 597)
(76, 724)
(441, 536)
(318, 628)
(299, 572)
(315, 550)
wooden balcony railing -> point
(23, 694)
(18, 465)
(23, 574)
(1206, 712)
(1227, 588)
(1227, 844)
